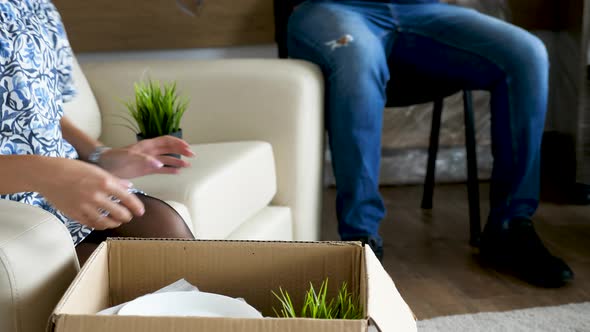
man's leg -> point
(480, 52)
(348, 42)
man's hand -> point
(146, 157)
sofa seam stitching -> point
(46, 219)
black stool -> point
(411, 86)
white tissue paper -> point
(178, 286)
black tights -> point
(158, 221)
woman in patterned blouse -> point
(44, 158)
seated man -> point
(353, 42)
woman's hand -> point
(146, 157)
(84, 191)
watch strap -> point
(94, 156)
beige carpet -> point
(565, 318)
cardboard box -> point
(124, 269)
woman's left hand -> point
(146, 157)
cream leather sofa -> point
(257, 129)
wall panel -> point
(109, 25)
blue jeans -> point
(352, 42)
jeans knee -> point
(336, 39)
(538, 51)
(345, 57)
(532, 54)
(358, 69)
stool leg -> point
(432, 152)
(472, 179)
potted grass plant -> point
(316, 304)
(156, 110)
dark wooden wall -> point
(108, 25)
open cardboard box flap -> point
(385, 306)
(123, 269)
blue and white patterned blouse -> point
(35, 81)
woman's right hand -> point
(82, 191)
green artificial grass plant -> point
(157, 110)
(317, 305)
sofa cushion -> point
(226, 185)
(273, 223)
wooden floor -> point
(438, 273)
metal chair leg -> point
(432, 152)
(472, 178)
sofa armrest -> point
(37, 264)
(276, 101)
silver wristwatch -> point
(94, 156)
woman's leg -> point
(158, 221)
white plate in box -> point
(199, 304)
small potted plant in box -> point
(157, 110)
(316, 304)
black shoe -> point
(517, 247)
(374, 243)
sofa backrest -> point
(83, 109)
